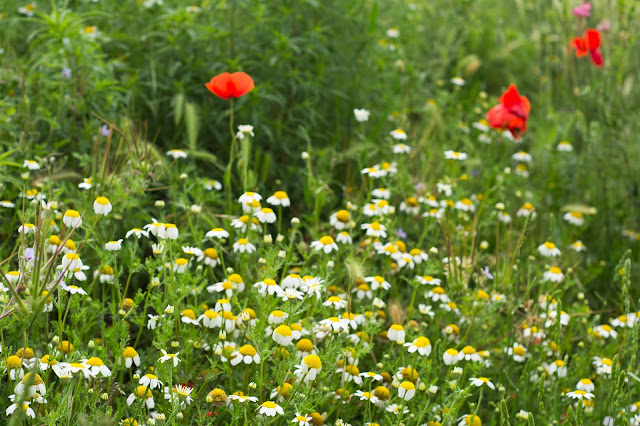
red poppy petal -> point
(243, 84)
(513, 102)
(219, 85)
(592, 39)
(498, 116)
(596, 57)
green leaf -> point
(193, 125)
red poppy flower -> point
(511, 113)
(589, 44)
(228, 85)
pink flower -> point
(583, 11)
(604, 26)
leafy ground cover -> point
(304, 212)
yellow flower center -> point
(283, 330)
(326, 240)
(248, 350)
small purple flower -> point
(66, 72)
(418, 186)
(105, 130)
(475, 172)
(401, 234)
(29, 255)
(486, 273)
(583, 11)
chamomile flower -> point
(574, 218)
(336, 302)
(585, 385)
(325, 244)
(210, 184)
(270, 409)
(85, 184)
(113, 245)
(180, 391)
(130, 357)
(557, 367)
(434, 213)
(526, 210)
(344, 238)
(335, 324)
(266, 215)
(454, 155)
(31, 165)
(27, 228)
(375, 229)
(451, 356)
(405, 261)
(624, 321)
(152, 322)
(372, 172)
(605, 331)
(376, 282)
(309, 368)
(411, 206)
(7, 204)
(97, 366)
(282, 335)
(72, 219)
(422, 345)
(554, 275)
(249, 198)
(26, 405)
(102, 206)
(437, 294)
(578, 246)
(246, 354)
(137, 232)
(401, 148)
(465, 205)
(301, 420)
(428, 280)
(398, 134)
(396, 334)
(244, 130)
(340, 219)
(187, 316)
(518, 352)
(564, 146)
(381, 193)
(480, 381)
(177, 154)
(469, 420)
(172, 358)
(361, 115)
(406, 390)
(28, 11)
(150, 381)
(548, 249)
(580, 394)
(603, 365)
(468, 353)
(242, 245)
(397, 409)
(279, 198)
(522, 157)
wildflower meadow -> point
(319, 212)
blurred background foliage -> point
(142, 65)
